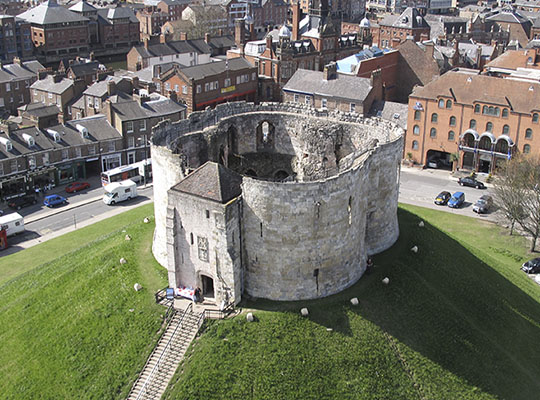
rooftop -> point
(342, 86)
(49, 12)
(211, 181)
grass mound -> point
(457, 321)
(72, 326)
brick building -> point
(485, 118)
(394, 29)
(15, 81)
(173, 8)
(118, 28)
(57, 155)
(57, 90)
(151, 20)
(56, 32)
(313, 42)
(15, 39)
(210, 84)
(329, 90)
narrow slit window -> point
(349, 209)
(261, 229)
(191, 237)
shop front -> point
(70, 172)
(111, 161)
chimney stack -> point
(17, 60)
(239, 33)
(111, 88)
(330, 71)
(296, 16)
(146, 42)
(269, 41)
(207, 37)
(92, 56)
(183, 36)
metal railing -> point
(164, 352)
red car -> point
(77, 187)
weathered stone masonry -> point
(323, 199)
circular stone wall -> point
(307, 231)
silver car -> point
(483, 204)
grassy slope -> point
(66, 329)
(458, 321)
(15, 264)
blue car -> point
(54, 200)
(456, 200)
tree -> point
(517, 193)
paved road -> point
(418, 187)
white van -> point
(13, 223)
(119, 191)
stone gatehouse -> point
(277, 201)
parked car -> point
(77, 187)
(531, 266)
(442, 198)
(472, 182)
(23, 201)
(54, 200)
(434, 163)
(456, 200)
(483, 204)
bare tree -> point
(517, 193)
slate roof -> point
(511, 16)
(391, 111)
(82, 6)
(20, 146)
(99, 89)
(410, 18)
(344, 86)
(50, 86)
(39, 109)
(134, 110)
(211, 181)
(469, 87)
(175, 2)
(49, 12)
(15, 72)
(202, 71)
(84, 68)
(107, 15)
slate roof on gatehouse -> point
(211, 181)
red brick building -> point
(394, 29)
(486, 119)
(210, 84)
(57, 32)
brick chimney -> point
(239, 33)
(92, 56)
(146, 42)
(17, 60)
(183, 36)
(57, 78)
(269, 42)
(330, 71)
(111, 88)
(207, 37)
(135, 82)
(296, 16)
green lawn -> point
(71, 326)
(457, 321)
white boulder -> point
(249, 317)
(304, 311)
(123, 260)
(354, 301)
(137, 287)
(414, 249)
(386, 281)
(421, 224)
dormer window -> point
(29, 140)
(6, 143)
